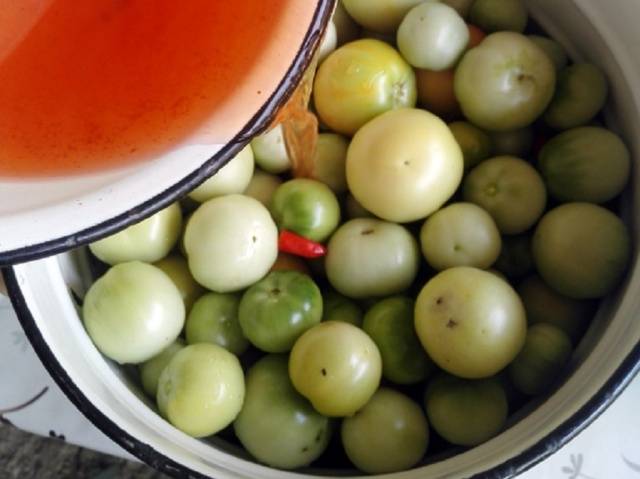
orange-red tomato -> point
(435, 93)
(475, 36)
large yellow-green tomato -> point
(585, 164)
(546, 352)
(368, 257)
(510, 190)
(201, 391)
(471, 322)
(391, 326)
(263, 186)
(432, 36)
(177, 268)
(231, 178)
(389, 434)
(276, 424)
(382, 16)
(581, 250)
(133, 312)
(544, 305)
(505, 83)
(461, 234)
(464, 412)
(404, 165)
(151, 370)
(150, 240)
(359, 81)
(231, 243)
(214, 319)
(336, 366)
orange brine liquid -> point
(86, 85)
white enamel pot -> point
(43, 294)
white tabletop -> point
(609, 448)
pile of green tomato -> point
(462, 186)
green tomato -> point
(359, 81)
(389, 434)
(150, 240)
(346, 29)
(382, 16)
(231, 243)
(516, 258)
(232, 178)
(581, 93)
(270, 151)
(511, 191)
(177, 268)
(585, 164)
(133, 312)
(461, 234)
(263, 186)
(475, 144)
(461, 6)
(544, 305)
(546, 352)
(505, 83)
(432, 36)
(329, 161)
(214, 319)
(581, 250)
(276, 424)
(553, 49)
(512, 143)
(371, 258)
(275, 311)
(404, 165)
(151, 370)
(307, 207)
(201, 391)
(470, 322)
(391, 326)
(340, 308)
(336, 366)
(464, 412)
(497, 15)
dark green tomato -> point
(542, 359)
(466, 412)
(277, 425)
(276, 310)
(214, 319)
(307, 207)
(516, 258)
(390, 324)
(340, 308)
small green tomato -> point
(461, 234)
(510, 190)
(263, 186)
(389, 434)
(276, 424)
(329, 161)
(498, 15)
(133, 312)
(512, 143)
(231, 178)
(391, 326)
(432, 36)
(470, 322)
(581, 250)
(151, 370)
(201, 391)
(337, 366)
(464, 412)
(270, 151)
(214, 319)
(340, 308)
(177, 268)
(382, 16)
(553, 49)
(150, 240)
(546, 352)
(475, 144)
(307, 207)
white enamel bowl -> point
(607, 359)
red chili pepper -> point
(292, 243)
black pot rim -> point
(259, 122)
(518, 464)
